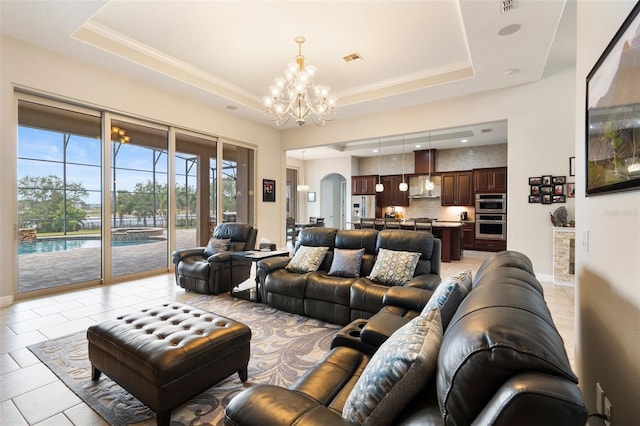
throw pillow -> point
(397, 371)
(394, 267)
(307, 259)
(346, 263)
(449, 294)
(216, 245)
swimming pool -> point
(61, 244)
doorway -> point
(333, 192)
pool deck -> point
(47, 270)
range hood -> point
(418, 188)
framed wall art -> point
(268, 190)
(613, 113)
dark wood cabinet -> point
(425, 161)
(451, 239)
(490, 245)
(363, 185)
(457, 189)
(491, 180)
(468, 236)
(392, 196)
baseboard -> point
(545, 278)
(6, 301)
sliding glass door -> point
(59, 196)
(139, 197)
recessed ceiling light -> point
(509, 29)
(511, 71)
(464, 140)
(418, 146)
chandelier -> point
(296, 96)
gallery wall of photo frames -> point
(548, 189)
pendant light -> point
(428, 184)
(379, 186)
(403, 186)
(303, 187)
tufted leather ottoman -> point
(167, 355)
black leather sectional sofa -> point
(499, 360)
(340, 299)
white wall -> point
(29, 67)
(541, 132)
(608, 272)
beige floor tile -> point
(24, 357)
(36, 323)
(25, 380)
(45, 402)
(58, 420)
(66, 328)
(82, 414)
(8, 364)
(10, 416)
(10, 344)
(57, 308)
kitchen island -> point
(450, 233)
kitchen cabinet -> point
(490, 245)
(490, 181)
(392, 196)
(468, 236)
(425, 161)
(363, 185)
(457, 189)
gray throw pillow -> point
(216, 245)
(397, 371)
(346, 263)
(449, 294)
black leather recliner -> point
(212, 275)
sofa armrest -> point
(271, 264)
(410, 298)
(182, 253)
(425, 281)
(267, 405)
(222, 257)
(535, 399)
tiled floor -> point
(31, 394)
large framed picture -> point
(613, 113)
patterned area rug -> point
(283, 346)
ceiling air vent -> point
(506, 5)
(353, 57)
(487, 130)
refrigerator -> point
(362, 206)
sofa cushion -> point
(307, 259)
(397, 371)
(346, 263)
(448, 295)
(394, 267)
(216, 245)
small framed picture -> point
(535, 190)
(534, 198)
(535, 181)
(558, 189)
(311, 197)
(268, 190)
(572, 166)
(571, 190)
(546, 189)
(559, 179)
(547, 180)
(546, 199)
(559, 199)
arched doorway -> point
(333, 200)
